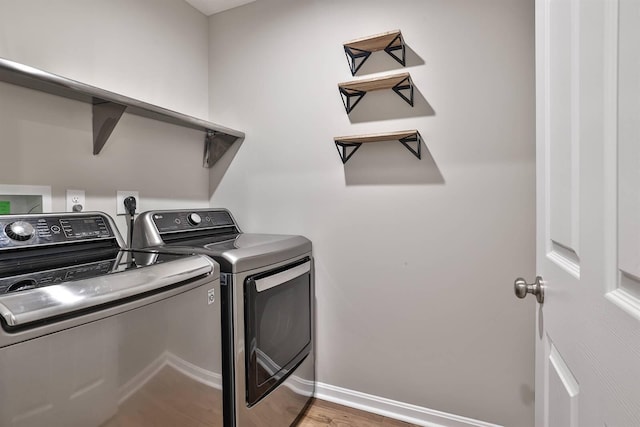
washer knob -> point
(194, 219)
(19, 230)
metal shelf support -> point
(216, 144)
(343, 148)
(413, 138)
(353, 55)
(348, 95)
(406, 84)
(390, 49)
(106, 116)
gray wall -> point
(415, 258)
(154, 50)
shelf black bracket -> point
(413, 138)
(353, 55)
(343, 147)
(348, 94)
(106, 115)
(391, 50)
(405, 84)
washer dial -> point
(19, 231)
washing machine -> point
(95, 335)
(267, 285)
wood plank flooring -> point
(323, 413)
(170, 399)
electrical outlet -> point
(75, 201)
(121, 195)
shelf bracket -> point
(413, 138)
(215, 145)
(106, 115)
(390, 49)
(343, 148)
(405, 84)
(348, 94)
(208, 141)
(353, 55)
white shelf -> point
(108, 107)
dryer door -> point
(277, 326)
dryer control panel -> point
(171, 221)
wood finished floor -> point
(171, 399)
(323, 413)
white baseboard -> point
(393, 409)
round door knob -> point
(194, 219)
(19, 230)
(522, 288)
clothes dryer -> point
(267, 283)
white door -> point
(588, 213)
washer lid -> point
(251, 251)
(63, 298)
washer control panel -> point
(32, 230)
(171, 221)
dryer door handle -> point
(278, 279)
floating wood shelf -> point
(361, 49)
(352, 92)
(345, 143)
(108, 107)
